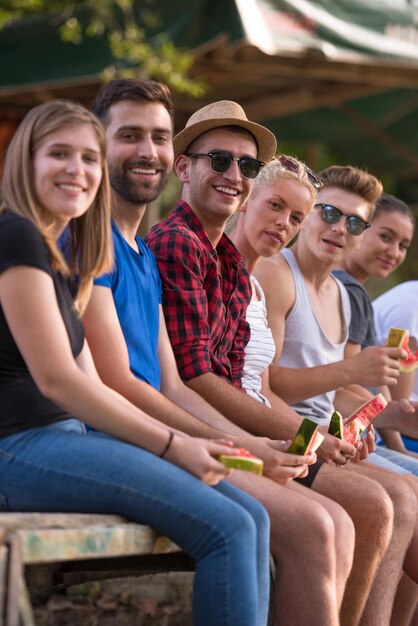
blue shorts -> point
(410, 444)
(403, 464)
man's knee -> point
(344, 525)
(307, 526)
(402, 496)
(404, 504)
(365, 500)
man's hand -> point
(376, 366)
(335, 450)
(399, 415)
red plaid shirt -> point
(204, 312)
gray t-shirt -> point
(362, 330)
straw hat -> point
(224, 113)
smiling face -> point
(383, 247)
(214, 196)
(67, 172)
(274, 214)
(332, 242)
(140, 150)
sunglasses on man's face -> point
(331, 215)
(221, 161)
(292, 165)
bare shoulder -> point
(272, 271)
(276, 279)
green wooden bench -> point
(49, 550)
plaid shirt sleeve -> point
(180, 263)
(237, 354)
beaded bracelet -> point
(168, 444)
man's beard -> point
(140, 192)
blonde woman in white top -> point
(283, 196)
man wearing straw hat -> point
(205, 294)
(223, 172)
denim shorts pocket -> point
(4, 505)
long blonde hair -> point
(91, 249)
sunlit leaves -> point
(126, 30)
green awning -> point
(342, 72)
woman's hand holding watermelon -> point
(366, 445)
(196, 456)
(278, 465)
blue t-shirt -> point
(136, 290)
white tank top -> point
(260, 349)
(305, 344)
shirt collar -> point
(225, 247)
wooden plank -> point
(48, 537)
(300, 100)
(75, 573)
(14, 577)
(97, 546)
(62, 544)
(4, 562)
(26, 617)
(306, 66)
(56, 520)
(380, 135)
(47, 576)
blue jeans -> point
(61, 468)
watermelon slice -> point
(399, 338)
(242, 460)
(364, 415)
(307, 438)
(349, 433)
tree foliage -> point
(125, 26)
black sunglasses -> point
(331, 215)
(221, 162)
(292, 165)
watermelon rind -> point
(409, 364)
(399, 338)
(336, 425)
(303, 437)
(245, 463)
(316, 441)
